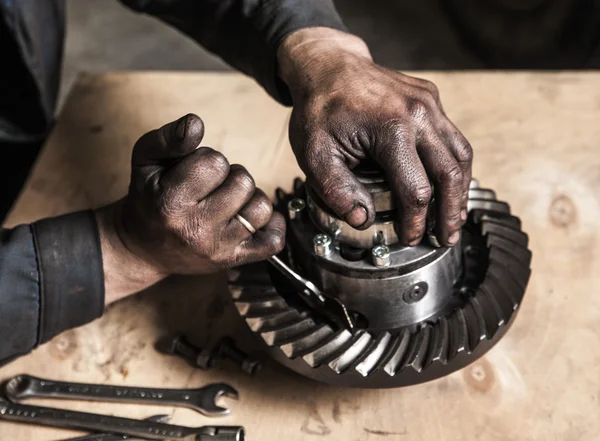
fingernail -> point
(357, 217)
(181, 128)
(415, 242)
(454, 237)
(463, 214)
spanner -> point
(114, 436)
(202, 400)
(47, 416)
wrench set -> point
(111, 428)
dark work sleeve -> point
(245, 33)
(51, 280)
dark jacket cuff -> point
(71, 275)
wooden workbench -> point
(537, 142)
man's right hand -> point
(179, 215)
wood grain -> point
(536, 141)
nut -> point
(323, 245)
(381, 256)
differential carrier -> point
(420, 312)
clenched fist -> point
(348, 109)
(180, 214)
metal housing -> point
(423, 312)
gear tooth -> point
(250, 275)
(476, 325)
(520, 254)
(500, 218)
(298, 183)
(396, 352)
(491, 289)
(325, 351)
(253, 295)
(280, 194)
(482, 193)
(510, 287)
(418, 349)
(236, 291)
(438, 351)
(483, 322)
(261, 307)
(498, 256)
(286, 332)
(458, 334)
(508, 233)
(373, 354)
(274, 320)
(307, 342)
(492, 312)
(484, 204)
(356, 349)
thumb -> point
(329, 175)
(172, 141)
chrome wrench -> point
(116, 437)
(47, 416)
(202, 400)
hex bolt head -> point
(295, 208)
(251, 366)
(206, 359)
(381, 256)
(227, 348)
(334, 230)
(323, 245)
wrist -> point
(125, 272)
(309, 56)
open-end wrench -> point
(47, 416)
(116, 437)
(202, 400)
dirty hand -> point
(347, 109)
(179, 215)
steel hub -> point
(421, 312)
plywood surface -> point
(537, 143)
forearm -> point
(245, 33)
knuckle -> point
(452, 175)
(420, 196)
(420, 105)
(432, 89)
(214, 160)
(241, 178)
(263, 207)
(397, 131)
(464, 151)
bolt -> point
(181, 345)
(334, 229)
(322, 244)
(227, 348)
(295, 207)
(381, 256)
